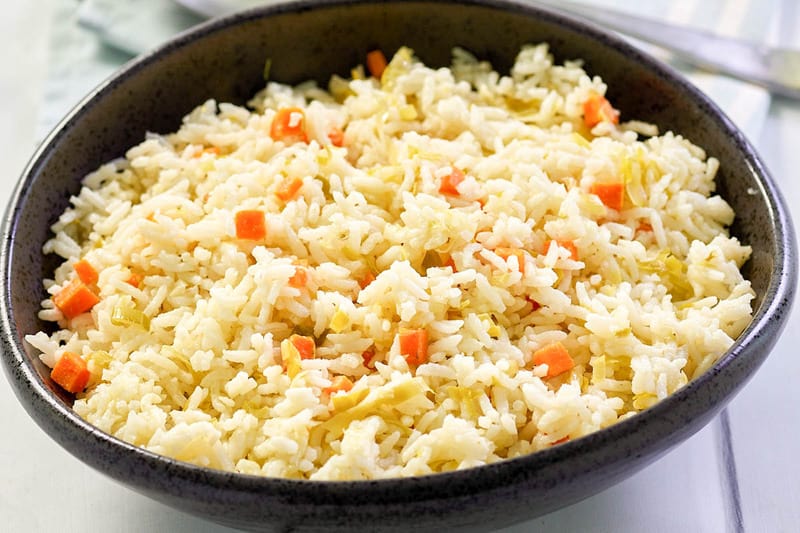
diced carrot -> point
(287, 190)
(86, 272)
(414, 345)
(214, 150)
(644, 227)
(376, 63)
(450, 263)
(250, 224)
(339, 383)
(336, 136)
(289, 125)
(368, 355)
(505, 253)
(450, 183)
(299, 278)
(305, 346)
(368, 278)
(597, 109)
(71, 372)
(75, 298)
(556, 357)
(134, 279)
(611, 194)
(563, 243)
(295, 349)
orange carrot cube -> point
(414, 345)
(450, 183)
(305, 346)
(289, 125)
(368, 278)
(71, 372)
(598, 109)
(86, 272)
(250, 224)
(299, 278)
(376, 63)
(336, 136)
(287, 190)
(134, 279)
(339, 383)
(564, 243)
(75, 299)
(611, 194)
(556, 357)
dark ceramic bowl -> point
(223, 59)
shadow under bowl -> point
(224, 59)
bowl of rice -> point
(323, 265)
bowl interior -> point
(303, 43)
(225, 59)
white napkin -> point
(94, 38)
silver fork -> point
(776, 69)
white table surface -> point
(45, 489)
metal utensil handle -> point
(776, 69)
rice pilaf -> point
(413, 271)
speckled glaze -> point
(223, 59)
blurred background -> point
(738, 474)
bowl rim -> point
(779, 294)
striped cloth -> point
(93, 38)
